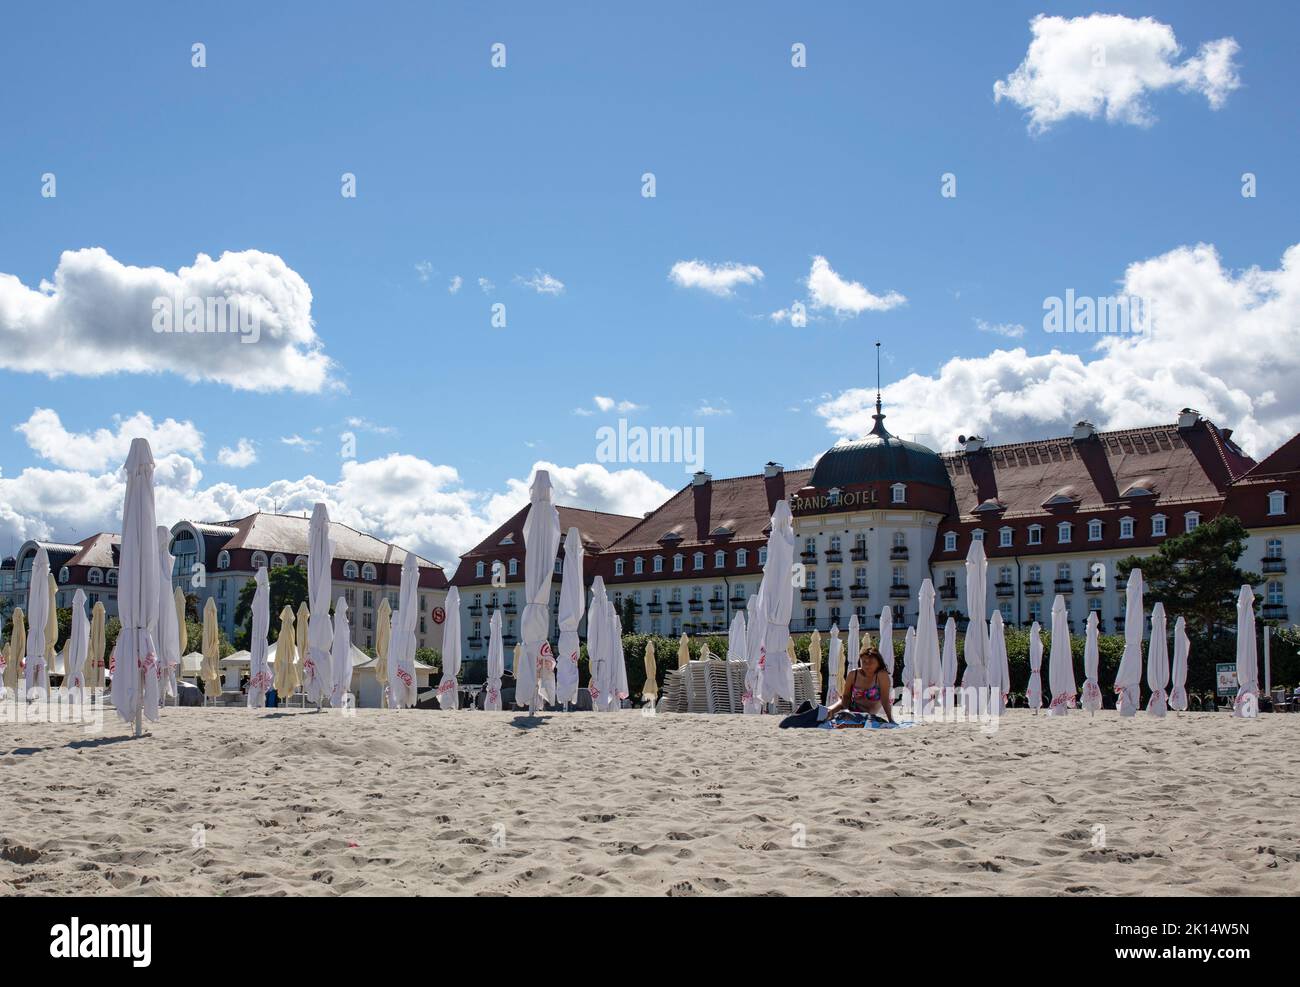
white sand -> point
(472, 803)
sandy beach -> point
(412, 802)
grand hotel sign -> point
(834, 500)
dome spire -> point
(879, 416)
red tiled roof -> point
(1285, 459)
(99, 550)
(598, 529)
(288, 534)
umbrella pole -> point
(139, 708)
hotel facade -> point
(876, 517)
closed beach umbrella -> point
(998, 668)
(285, 647)
(1247, 702)
(317, 670)
(168, 639)
(618, 687)
(211, 648)
(1158, 663)
(182, 629)
(1128, 679)
(834, 667)
(259, 670)
(950, 653)
(516, 656)
(1091, 700)
(854, 647)
(136, 675)
(909, 660)
(776, 678)
(573, 604)
(754, 628)
(340, 656)
(651, 688)
(36, 673)
(976, 644)
(402, 642)
(597, 631)
(496, 664)
(789, 650)
(51, 624)
(383, 639)
(15, 651)
(929, 660)
(705, 653)
(448, 690)
(815, 660)
(1034, 690)
(300, 639)
(736, 637)
(541, 542)
(78, 647)
(683, 651)
(1060, 664)
(95, 656)
(886, 644)
(1182, 649)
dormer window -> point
(514, 567)
(833, 495)
(657, 564)
(742, 557)
(699, 561)
(509, 539)
(977, 534)
(278, 561)
(259, 562)
(1126, 527)
(64, 574)
(478, 570)
(1191, 520)
(950, 541)
(679, 562)
(618, 567)
(369, 572)
(1277, 502)
(1004, 537)
(762, 555)
(349, 568)
(95, 577)
(1064, 532)
(112, 577)
(223, 560)
(1158, 528)
(1094, 530)
(1035, 534)
(719, 559)
(898, 493)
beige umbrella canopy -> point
(95, 657)
(211, 670)
(182, 631)
(17, 648)
(651, 687)
(683, 651)
(815, 659)
(52, 624)
(383, 637)
(518, 656)
(705, 653)
(300, 636)
(285, 651)
(789, 650)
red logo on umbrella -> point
(439, 615)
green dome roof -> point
(879, 456)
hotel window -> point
(63, 574)
(719, 559)
(1035, 610)
(618, 567)
(719, 593)
(697, 594)
(679, 562)
(1063, 573)
(1126, 527)
(861, 613)
(1273, 550)
(809, 546)
(514, 567)
(860, 576)
(739, 592)
(1034, 574)
(278, 561)
(810, 578)
(835, 616)
(223, 560)
(950, 541)
(742, 557)
(1035, 534)
(1064, 532)
(1158, 525)
(658, 563)
(677, 626)
(1095, 605)
(367, 600)
(977, 534)
(900, 576)
(677, 594)
(698, 561)
(762, 556)
(259, 562)
(1004, 537)
(900, 614)
(656, 625)
(860, 542)
(1191, 520)
(112, 577)
(900, 540)
(1277, 502)
(559, 566)
(835, 543)
(478, 570)
(95, 577)
(835, 578)
(1275, 597)
(810, 617)
(638, 565)
(1094, 530)
(1005, 608)
(221, 588)
(300, 560)
(369, 572)
(898, 493)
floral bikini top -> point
(857, 696)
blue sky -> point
(471, 171)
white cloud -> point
(105, 448)
(1012, 330)
(706, 410)
(486, 286)
(298, 442)
(717, 279)
(424, 269)
(454, 284)
(1226, 343)
(243, 455)
(542, 283)
(826, 289)
(1108, 64)
(608, 404)
(96, 318)
(366, 425)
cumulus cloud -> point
(296, 441)
(826, 289)
(1224, 342)
(608, 404)
(97, 317)
(243, 455)
(106, 447)
(542, 283)
(1012, 330)
(717, 279)
(486, 286)
(424, 270)
(454, 284)
(1108, 64)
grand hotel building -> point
(875, 517)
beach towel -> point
(865, 723)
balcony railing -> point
(947, 592)
(717, 605)
(808, 558)
(1275, 611)
(834, 593)
(899, 591)
(475, 642)
(675, 606)
(1063, 585)
(475, 611)
(898, 552)
(858, 592)
(1005, 589)
(808, 595)
(858, 554)
(1090, 587)
(834, 555)
(738, 601)
(509, 640)
(1033, 587)
(1273, 565)
(509, 607)
(655, 607)
(697, 606)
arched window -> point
(278, 561)
(223, 560)
(259, 560)
(64, 574)
(719, 559)
(742, 556)
(369, 572)
(95, 577)
(112, 577)
(678, 562)
(301, 560)
(658, 564)
(350, 570)
(618, 567)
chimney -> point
(702, 490)
(773, 484)
(1187, 418)
(773, 469)
(700, 479)
(1226, 433)
(1084, 430)
(972, 443)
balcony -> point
(675, 606)
(476, 642)
(1033, 587)
(636, 607)
(900, 591)
(808, 558)
(509, 640)
(834, 593)
(858, 592)
(898, 553)
(947, 592)
(655, 607)
(476, 611)
(834, 555)
(738, 601)
(1275, 611)
(858, 554)
(1091, 587)
(717, 606)
(808, 595)
(509, 608)
(1272, 566)
(1063, 585)
(1005, 589)
(696, 606)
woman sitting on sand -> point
(866, 697)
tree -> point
(288, 586)
(1196, 576)
(628, 617)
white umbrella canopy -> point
(754, 629)
(1091, 699)
(736, 637)
(448, 690)
(929, 661)
(340, 657)
(599, 647)
(1158, 662)
(999, 666)
(168, 639)
(259, 671)
(834, 667)
(1060, 665)
(950, 653)
(1034, 690)
(886, 641)
(1128, 680)
(1182, 650)
(1247, 702)
(541, 542)
(496, 664)
(909, 659)
(74, 663)
(854, 645)
(573, 604)
(618, 688)
(301, 626)
(36, 674)
(135, 671)
(317, 667)
(211, 648)
(402, 640)
(976, 644)
(776, 676)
